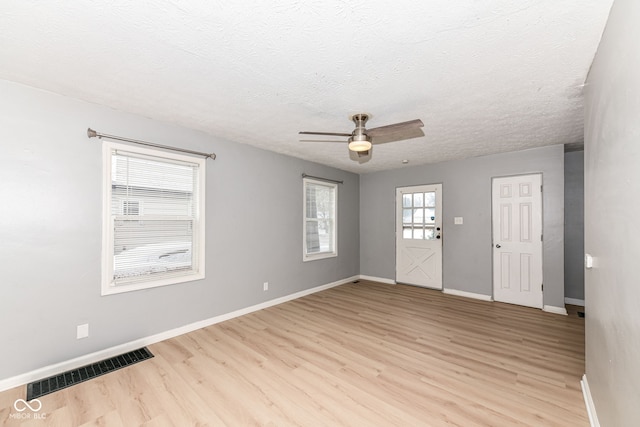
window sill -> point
(322, 255)
(109, 289)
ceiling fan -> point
(361, 139)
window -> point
(320, 200)
(164, 243)
(418, 215)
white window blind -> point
(319, 219)
(160, 244)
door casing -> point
(419, 261)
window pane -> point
(145, 248)
(406, 216)
(430, 199)
(313, 237)
(418, 200)
(156, 175)
(325, 232)
(312, 204)
(406, 200)
(321, 202)
(418, 233)
(429, 215)
(407, 233)
(320, 207)
(418, 216)
(429, 233)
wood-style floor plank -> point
(359, 354)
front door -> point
(419, 235)
(517, 239)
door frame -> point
(493, 253)
(441, 231)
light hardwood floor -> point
(365, 354)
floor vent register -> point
(67, 379)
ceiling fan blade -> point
(341, 141)
(325, 133)
(394, 128)
(406, 133)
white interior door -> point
(419, 235)
(517, 240)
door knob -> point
(498, 246)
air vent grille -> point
(67, 379)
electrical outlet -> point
(82, 331)
(265, 286)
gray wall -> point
(466, 188)
(50, 222)
(574, 224)
(612, 209)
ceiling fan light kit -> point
(359, 143)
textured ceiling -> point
(484, 76)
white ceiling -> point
(484, 76)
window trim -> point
(319, 255)
(107, 286)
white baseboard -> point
(97, 356)
(446, 291)
(574, 301)
(554, 309)
(378, 279)
(588, 401)
(466, 294)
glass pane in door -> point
(430, 199)
(418, 200)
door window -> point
(419, 215)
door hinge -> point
(541, 238)
(541, 188)
(542, 287)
